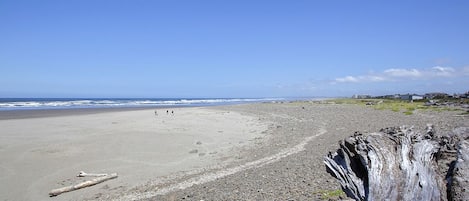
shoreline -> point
(35, 107)
(57, 112)
(41, 113)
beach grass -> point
(406, 107)
(330, 194)
(395, 105)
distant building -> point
(357, 96)
(395, 96)
(465, 95)
(411, 97)
(436, 95)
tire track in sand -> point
(212, 176)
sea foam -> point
(68, 103)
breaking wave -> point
(64, 103)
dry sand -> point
(268, 151)
(40, 154)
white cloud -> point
(366, 78)
(402, 74)
(376, 78)
(398, 72)
(443, 71)
(347, 79)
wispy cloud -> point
(443, 71)
(396, 74)
(399, 72)
(364, 78)
(348, 79)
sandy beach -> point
(264, 151)
(40, 154)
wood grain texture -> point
(401, 164)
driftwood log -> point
(99, 179)
(401, 164)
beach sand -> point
(40, 154)
(264, 151)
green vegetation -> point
(408, 112)
(330, 194)
(351, 101)
(395, 105)
(406, 107)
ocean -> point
(72, 103)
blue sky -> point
(232, 48)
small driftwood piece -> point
(400, 164)
(84, 184)
(84, 174)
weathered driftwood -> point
(84, 174)
(84, 184)
(460, 174)
(400, 164)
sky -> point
(232, 48)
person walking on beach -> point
(167, 112)
(172, 112)
(156, 113)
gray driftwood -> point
(84, 184)
(460, 174)
(84, 174)
(400, 164)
